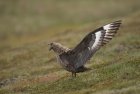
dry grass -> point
(26, 27)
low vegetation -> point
(27, 67)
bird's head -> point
(54, 46)
(57, 47)
(51, 46)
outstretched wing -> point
(93, 41)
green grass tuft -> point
(26, 28)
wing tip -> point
(113, 26)
(117, 22)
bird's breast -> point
(66, 64)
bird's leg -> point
(73, 74)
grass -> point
(27, 67)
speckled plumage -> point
(73, 60)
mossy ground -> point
(27, 67)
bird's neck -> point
(59, 49)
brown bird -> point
(73, 60)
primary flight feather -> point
(73, 60)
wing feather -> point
(91, 43)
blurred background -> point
(23, 22)
(26, 26)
